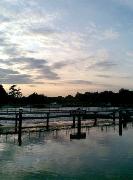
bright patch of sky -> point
(66, 45)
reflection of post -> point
(47, 125)
(78, 135)
(124, 124)
(113, 117)
(127, 116)
(79, 124)
(20, 128)
(73, 121)
(120, 123)
(16, 123)
(120, 129)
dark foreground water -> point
(52, 155)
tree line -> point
(123, 97)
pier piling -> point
(47, 123)
(120, 123)
(95, 119)
(20, 128)
(73, 121)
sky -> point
(60, 47)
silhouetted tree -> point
(3, 95)
(15, 92)
(122, 98)
(37, 99)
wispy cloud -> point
(80, 82)
(100, 34)
(103, 76)
(102, 65)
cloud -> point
(44, 46)
(40, 66)
(89, 83)
(4, 72)
(61, 64)
(17, 79)
(12, 76)
(81, 82)
(100, 34)
(42, 30)
(47, 73)
(110, 34)
(104, 65)
(103, 76)
(101, 60)
(4, 19)
(113, 76)
(21, 19)
(37, 68)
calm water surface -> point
(52, 155)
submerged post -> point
(95, 119)
(73, 121)
(47, 123)
(78, 135)
(120, 123)
(20, 127)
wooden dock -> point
(76, 119)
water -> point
(52, 155)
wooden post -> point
(73, 121)
(120, 123)
(20, 128)
(47, 123)
(95, 119)
(16, 123)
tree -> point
(15, 92)
(3, 95)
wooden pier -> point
(21, 119)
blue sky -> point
(59, 47)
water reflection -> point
(78, 132)
(51, 155)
